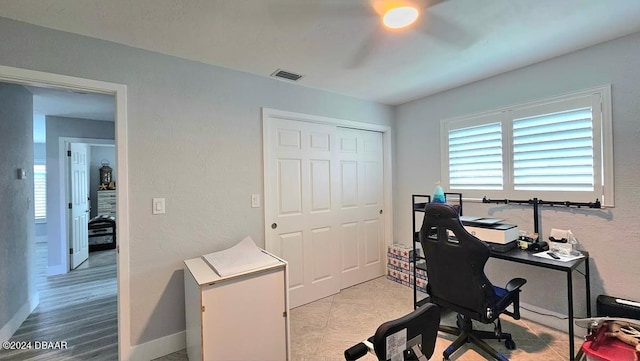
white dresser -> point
(107, 203)
(239, 317)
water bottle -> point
(438, 194)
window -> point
(40, 191)
(558, 149)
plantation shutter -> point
(40, 191)
(475, 157)
(554, 152)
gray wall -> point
(64, 127)
(17, 277)
(98, 154)
(194, 138)
(610, 235)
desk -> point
(519, 256)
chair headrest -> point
(440, 211)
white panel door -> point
(300, 204)
(360, 203)
(79, 220)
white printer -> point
(491, 230)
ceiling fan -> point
(409, 15)
(392, 18)
(398, 14)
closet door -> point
(300, 205)
(360, 206)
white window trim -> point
(502, 113)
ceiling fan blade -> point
(445, 30)
(430, 3)
(366, 49)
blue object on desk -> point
(438, 194)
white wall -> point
(194, 138)
(610, 235)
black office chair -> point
(413, 334)
(456, 280)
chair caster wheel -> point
(509, 344)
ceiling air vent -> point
(286, 75)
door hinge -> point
(70, 205)
(284, 314)
(68, 153)
(202, 308)
(70, 250)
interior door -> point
(300, 204)
(361, 219)
(79, 220)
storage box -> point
(405, 265)
(421, 285)
(421, 271)
(399, 251)
(562, 248)
(603, 348)
(398, 275)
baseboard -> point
(159, 347)
(56, 270)
(548, 318)
(7, 330)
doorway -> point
(67, 83)
(91, 220)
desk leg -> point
(570, 299)
(587, 285)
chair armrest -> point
(514, 284)
(513, 297)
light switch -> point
(255, 201)
(158, 206)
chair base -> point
(466, 334)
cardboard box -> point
(405, 265)
(421, 272)
(399, 251)
(398, 275)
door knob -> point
(381, 211)
(274, 225)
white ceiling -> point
(72, 104)
(339, 45)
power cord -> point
(545, 314)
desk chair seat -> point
(455, 270)
(414, 335)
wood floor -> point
(79, 308)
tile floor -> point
(322, 330)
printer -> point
(500, 237)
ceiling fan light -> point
(400, 17)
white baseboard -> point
(159, 347)
(554, 320)
(56, 270)
(7, 330)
